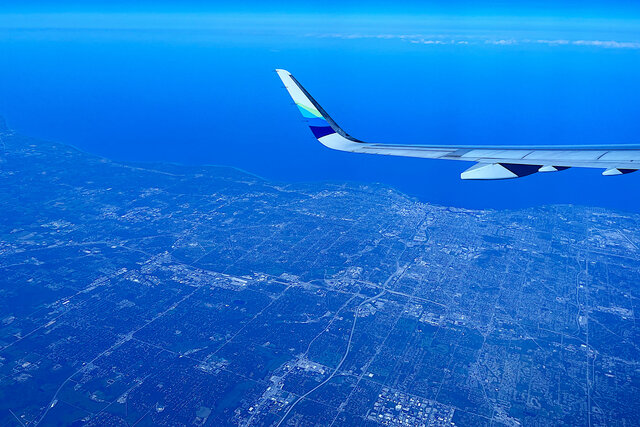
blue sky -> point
(530, 7)
(194, 83)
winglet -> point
(324, 128)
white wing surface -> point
(493, 162)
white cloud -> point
(549, 42)
(608, 44)
(443, 39)
(432, 42)
(501, 42)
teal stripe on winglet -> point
(306, 113)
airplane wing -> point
(493, 162)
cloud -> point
(448, 39)
(608, 44)
(549, 42)
(501, 42)
(423, 41)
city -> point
(159, 294)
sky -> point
(194, 83)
